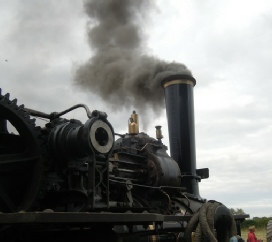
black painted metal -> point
(80, 226)
(87, 218)
(180, 114)
(90, 187)
(20, 157)
(239, 218)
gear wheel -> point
(21, 162)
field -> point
(260, 234)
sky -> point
(227, 46)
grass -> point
(260, 234)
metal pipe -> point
(179, 102)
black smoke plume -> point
(118, 71)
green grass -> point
(260, 234)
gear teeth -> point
(14, 101)
(32, 121)
(37, 128)
(7, 95)
(49, 125)
(22, 111)
(34, 144)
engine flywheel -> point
(21, 162)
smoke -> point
(118, 71)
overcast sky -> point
(227, 46)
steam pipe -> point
(179, 102)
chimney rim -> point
(179, 78)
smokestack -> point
(179, 99)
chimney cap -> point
(164, 79)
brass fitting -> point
(133, 123)
(159, 135)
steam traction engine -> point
(69, 181)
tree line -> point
(259, 223)
(256, 221)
